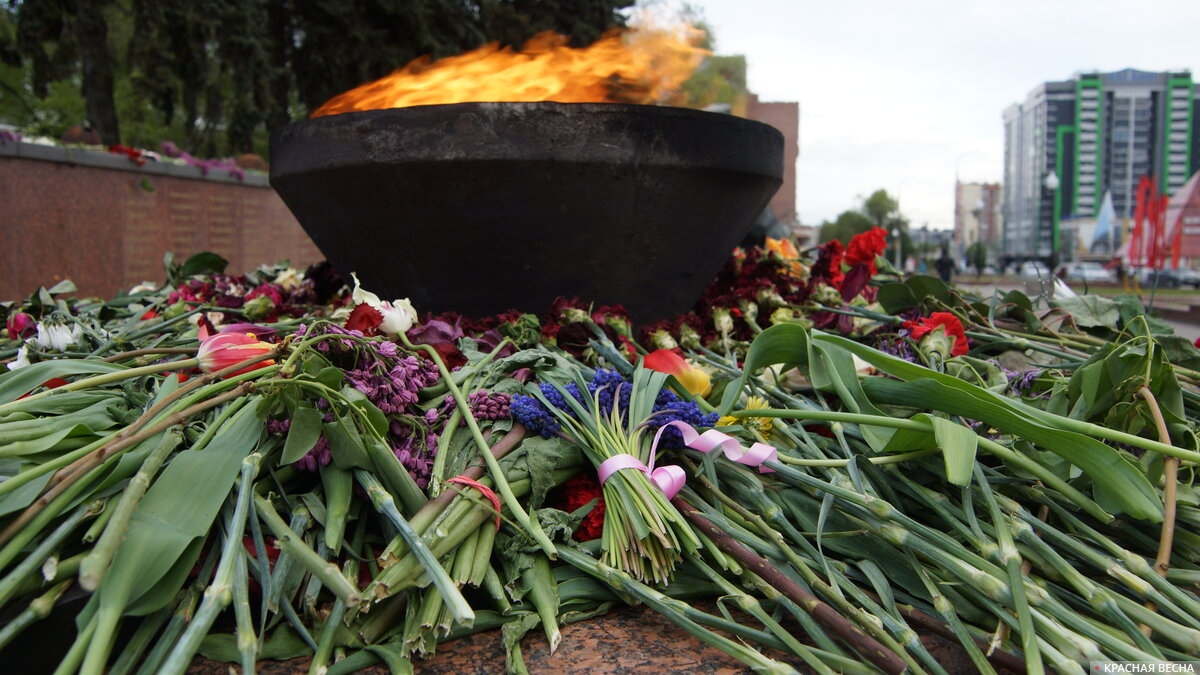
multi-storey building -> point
(977, 218)
(1071, 141)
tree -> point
(91, 30)
(977, 256)
(848, 224)
(881, 208)
(221, 72)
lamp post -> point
(896, 240)
(1051, 183)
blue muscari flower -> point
(612, 387)
(529, 412)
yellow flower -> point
(763, 425)
(784, 248)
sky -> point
(905, 96)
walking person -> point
(946, 266)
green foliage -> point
(882, 208)
(878, 210)
(213, 77)
(977, 256)
(848, 224)
(719, 79)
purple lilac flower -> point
(1022, 383)
(319, 455)
(899, 347)
(489, 406)
(415, 446)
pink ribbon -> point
(712, 439)
(670, 478)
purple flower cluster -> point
(899, 347)
(484, 405)
(392, 381)
(1021, 383)
(415, 444)
(205, 165)
(608, 388)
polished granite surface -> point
(626, 640)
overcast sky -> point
(901, 95)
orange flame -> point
(631, 67)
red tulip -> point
(20, 326)
(226, 349)
(696, 380)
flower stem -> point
(109, 378)
(864, 644)
(510, 500)
(1162, 562)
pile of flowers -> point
(282, 464)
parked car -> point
(1091, 272)
(1172, 278)
(1033, 269)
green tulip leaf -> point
(1119, 485)
(306, 426)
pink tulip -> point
(226, 349)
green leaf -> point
(958, 444)
(924, 286)
(178, 510)
(305, 429)
(23, 496)
(43, 443)
(204, 262)
(1180, 351)
(345, 444)
(895, 298)
(1120, 487)
(785, 343)
(16, 383)
(375, 417)
(62, 287)
(1090, 311)
(283, 644)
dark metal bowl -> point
(483, 207)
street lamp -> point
(896, 239)
(1051, 183)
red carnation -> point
(579, 490)
(366, 319)
(949, 324)
(865, 247)
(828, 267)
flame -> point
(635, 66)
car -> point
(1172, 278)
(1091, 272)
(1033, 269)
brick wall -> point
(104, 223)
(784, 116)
